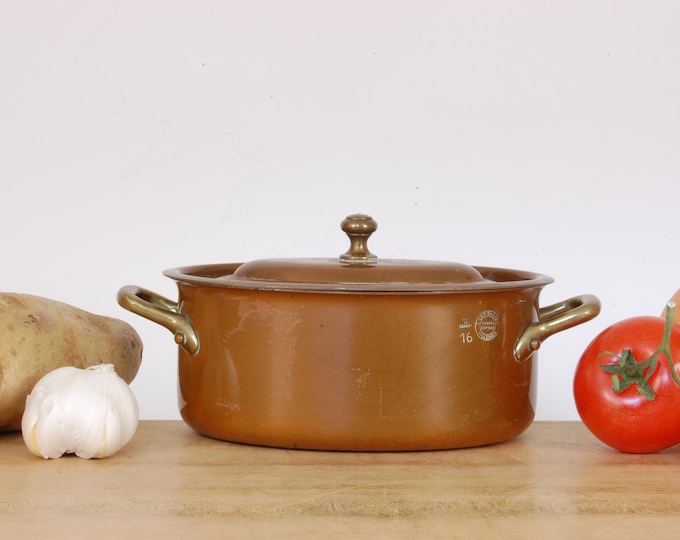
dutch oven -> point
(357, 353)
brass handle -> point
(553, 319)
(162, 311)
(358, 227)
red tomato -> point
(627, 420)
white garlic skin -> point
(89, 412)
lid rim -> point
(221, 275)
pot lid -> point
(356, 270)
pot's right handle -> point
(160, 310)
(553, 319)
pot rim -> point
(222, 275)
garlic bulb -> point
(89, 412)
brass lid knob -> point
(358, 228)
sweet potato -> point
(38, 335)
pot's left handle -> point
(160, 310)
(553, 319)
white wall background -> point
(534, 134)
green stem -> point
(665, 347)
(628, 371)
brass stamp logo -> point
(486, 325)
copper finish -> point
(283, 353)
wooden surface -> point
(555, 481)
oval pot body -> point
(362, 371)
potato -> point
(38, 335)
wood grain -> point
(169, 482)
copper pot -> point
(357, 353)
